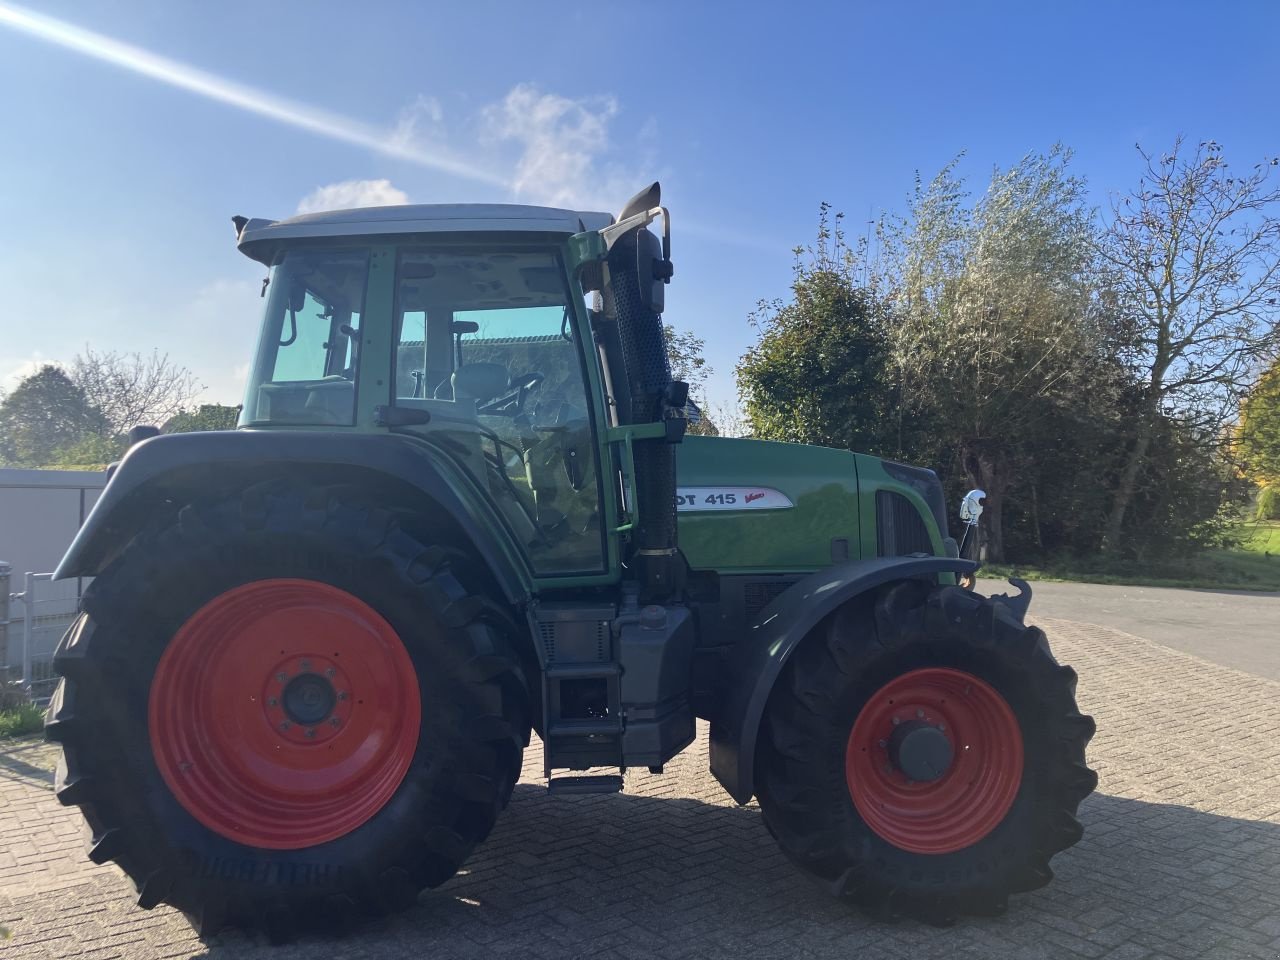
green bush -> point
(20, 719)
(1269, 503)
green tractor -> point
(461, 506)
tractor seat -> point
(475, 381)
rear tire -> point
(312, 851)
(838, 799)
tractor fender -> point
(756, 662)
(182, 467)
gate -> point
(36, 619)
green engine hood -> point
(755, 506)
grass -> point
(1262, 537)
(1253, 565)
(21, 719)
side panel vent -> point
(758, 594)
(547, 634)
(575, 632)
(899, 528)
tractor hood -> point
(760, 506)
(756, 506)
(260, 239)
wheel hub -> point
(309, 699)
(920, 750)
(306, 698)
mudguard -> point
(756, 662)
(182, 467)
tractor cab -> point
(467, 326)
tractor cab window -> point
(305, 368)
(487, 342)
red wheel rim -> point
(972, 796)
(284, 713)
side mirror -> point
(653, 270)
(971, 506)
(297, 297)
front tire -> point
(284, 712)
(922, 755)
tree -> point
(46, 414)
(208, 416)
(998, 338)
(1258, 432)
(131, 389)
(818, 371)
(684, 351)
(1193, 257)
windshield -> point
(305, 369)
(487, 342)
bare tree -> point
(1193, 256)
(131, 389)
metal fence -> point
(36, 618)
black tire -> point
(801, 784)
(475, 713)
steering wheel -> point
(511, 403)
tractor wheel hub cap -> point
(309, 698)
(920, 750)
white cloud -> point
(564, 146)
(352, 193)
(421, 120)
(550, 148)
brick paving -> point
(1181, 856)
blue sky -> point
(116, 186)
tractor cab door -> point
(488, 342)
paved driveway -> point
(1181, 856)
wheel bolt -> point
(305, 664)
(342, 694)
(282, 677)
(920, 714)
(882, 744)
(896, 721)
(311, 732)
(285, 725)
(942, 726)
(330, 672)
(272, 702)
(334, 721)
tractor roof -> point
(259, 239)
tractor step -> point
(610, 783)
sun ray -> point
(250, 99)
